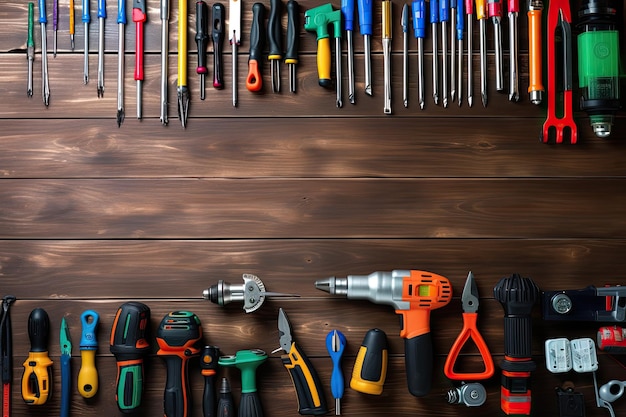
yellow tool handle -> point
(71, 17)
(36, 381)
(481, 9)
(88, 375)
(370, 368)
(323, 62)
(182, 43)
(534, 51)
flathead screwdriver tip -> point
(120, 117)
(368, 90)
(406, 103)
(484, 99)
(352, 99)
(421, 105)
(470, 101)
(72, 42)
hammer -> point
(317, 20)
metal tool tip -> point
(452, 94)
(470, 101)
(445, 102)
(484, 99)
(339, 104)
(406, 103)
(29, 93)
(368, 90)
(436, 99)
(323, 284)
(86, 79)
(120, 117)
(100, 92)
(351, 98)
(513, 97)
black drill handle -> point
(38, 330)
(202, 35)
(250, 405)
(177, 399)
(418, 358)
(256, 32)
(209, 356)
(219, 14)
(293, 32)
(274, 35)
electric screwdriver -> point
(413, 294)
(37, 381)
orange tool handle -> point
(534, 50)
(469, 332)
(254, 80)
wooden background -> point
(292, 189)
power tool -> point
(208, 367)
(37, 381)
(518, 295)
(129, 344)
(177, 337)
(605, 304)
(598, 63)
(247, 361)
(88, 374)
(413, 294)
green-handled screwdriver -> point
(336, 343)
(30, 45)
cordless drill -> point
(129, 345)
(413, 294)
(178, 336)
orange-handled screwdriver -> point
(254, 80)
(535, 88)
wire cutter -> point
(66, 373)
(469, 300)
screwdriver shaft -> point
(45, 85)
(351, 88)
(405, 55)
(234, 64)
(452, 53)
(338, 71)
(30, 48)
(386, 38)
(100, 87)
(497, 38)
(55, 24)
(165, 11)
(470, 64)
(120, 74)
(435, 65)
(368, 64)
(86, 55)
(234, 31)
(420, 72)
(444, 56)
(513, 64)
(483, 62)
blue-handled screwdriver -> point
(335, 343)
(365, 26)
(419, 29)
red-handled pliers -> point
(469, 300)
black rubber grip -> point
(274, 35)
(217, 35)
(202, 35)
(293, 31)
(38, 330)
(418, 357)
(301, 372)
(373, 366)
(208, 366)
(177, 400)
(257, 37)
(250, 405)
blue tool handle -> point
(419, 18)
(89, 320)
(102, 9)
(460, 20)
(434, 11)
(336, 378)
(121, 11)
(347, 9)
(444, 10)
(365, 16)
(453, 4)
(65, 385)
(42, 12)
(86, 14)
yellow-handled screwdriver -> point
(370, 367)
(88, 374)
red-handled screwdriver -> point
(202, 40)
(139, 17)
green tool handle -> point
(30, 43)
(177, 401)
(129, 384)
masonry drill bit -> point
(347, 10)
(419, 30)
(481, 14)
(444, 15)
(86, 20)
(165, 17)
(513, 51)
(495, 13)
(460, 26)
(102, 14)
(139, 17)
(121, 22)
(453, 25)
(30, 48)
(434, 19)
(182, 90)
(405, 54)
(55, 24)
(469, 12)
(386, 37)
(72, 25)
(365, 26)
(45, 85)
(234, 30)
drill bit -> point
(386, 37)
(121, 22)
(481, 14)
(30, 48)
(444, 10)
(139, 17)
(45, 86)
(460, 24)
(102, 14)
(405, 54)
(86, 20)
(347, 10)
(495, 12)
(513, 51)
(469, 12)
(434, 19)
(72, 25)
(291, 55)
(182, 90)
(419, 29)
(365, 26)
(165, 17)
(453, 26)
(234, 29)
(55, 24)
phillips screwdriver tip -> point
(29, 92)
(368, 90)
(484, 99)
(339, 104)
(120, 117)
(514, 96)
(351, 98)
(436, 99)
(452, 95)
(183, 105)
(445, 102)
(100, 92)
(406, 103)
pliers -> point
(469, 301)
(66, 375)
(311, 399)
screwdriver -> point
(202, 40)
(139, 17)
(102, 14)
(434, 19)
(121, 23)
(453, 26)
(481, 15)
(86, 20)
(182, 90)
(460, 25)
(495, 13)
(37, 378)
(513, 65)
(338, 86)
(254, 81)
(347, 10)
(419, 29)
(293, 30)
(234, 37)
(274, 37)
(30, 48)
(55, 24)
(535, 87)
(208, 365)
(226, 405)
(218, 13)
(72, 24)
(88, 374)
(386, 37)
(165, 17)
(336, 343)
(45, 89)
(444, 15)
(365, 26)
(405, 54)
(469, 12)
(370, 367)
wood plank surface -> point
(292, 189)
